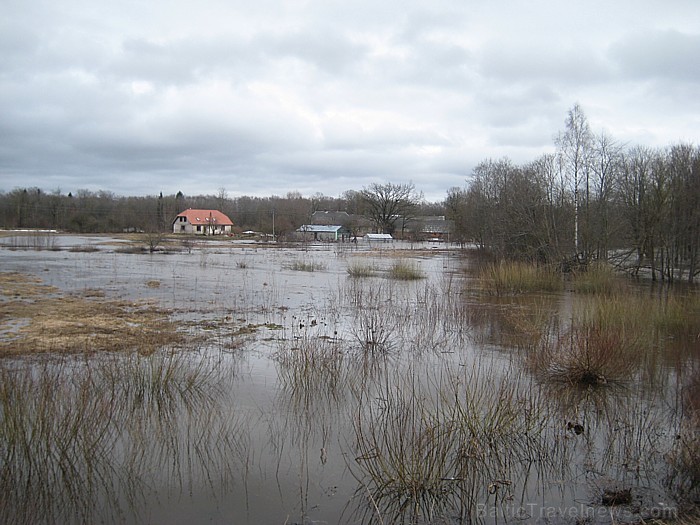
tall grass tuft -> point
(359, 269)
(427, 452)
(311, 369)
(513, 278)
(609, 336)
(679, 315)
(405, 271)
(586, 356)
(306, 266)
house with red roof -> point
(202, 222)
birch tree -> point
(574, 145)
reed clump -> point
(424, 452)
(360, 269)
(84, 248)
(679, 315)
(75, 431)
(374, 329)
(514, 277)
(306, 266)
(586, 356)
(648, 319)
(405, 271)
(131, 249)
(310, 369)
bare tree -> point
(546, 172)
(456, 210)
(683, 221)
(605, 165)
(387, 204)
(635, 189)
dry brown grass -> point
(36, 318)
(14, 284)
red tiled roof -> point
(206, 217)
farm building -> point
(202, 222)
(432, 228)
(330, 217)
(322, 232)
(378, 237)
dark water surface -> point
(315, 397)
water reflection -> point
(77, 431)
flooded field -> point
(247, 384)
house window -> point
(182, 228)
(199, 228)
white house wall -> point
(192, 228)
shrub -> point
(585, 355)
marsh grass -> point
(684, 461)
(587, 356)
(84, 248)
(132, 249)
(360, 269)
(599, 278)
(679, 315)
(649, 320)
(374, 315)
(513, 278)
(306, 266)
(403, 270)
(428, 451)
(56, 322)
(311, 368)
(71, 324)
(75, 432)
(610, 336)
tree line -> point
(593, 198)
(385, 207)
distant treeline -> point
(104, 212)
(593, 198)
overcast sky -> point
(267, 96)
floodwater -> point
(314, 397)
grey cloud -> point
(669, 54)
(329, 51)
(313, 96)
(519, 62)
